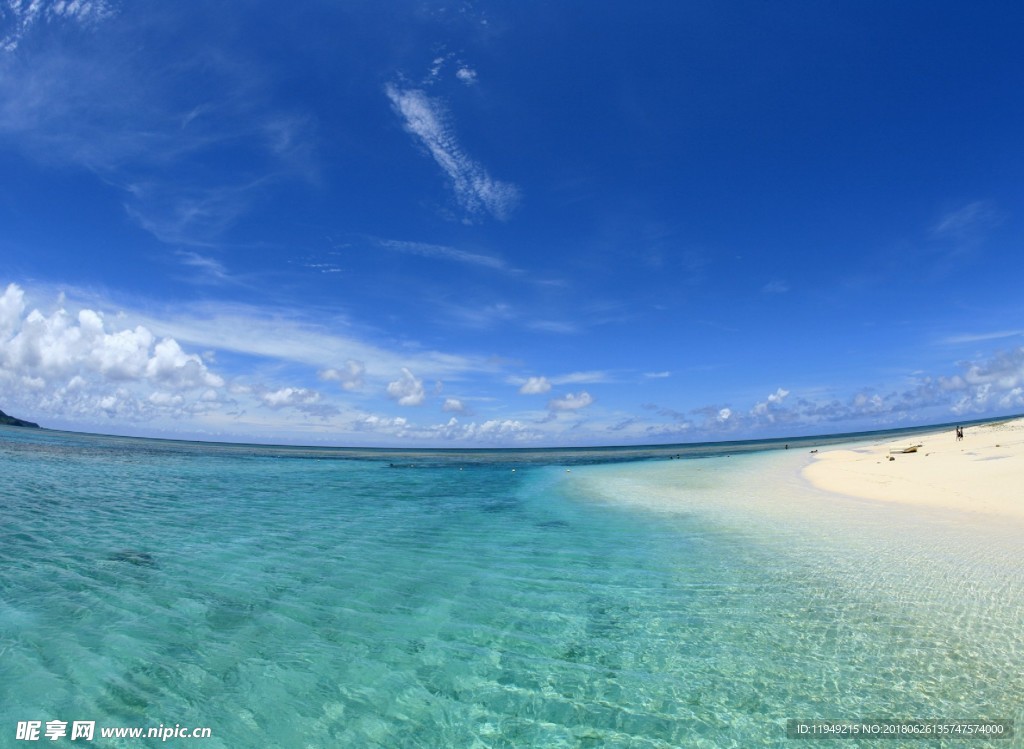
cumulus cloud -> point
(290, 397)
(493, 431)
(453, 405)
(350, 376)
(12, 305)
(61, 346)
(397, 426)
(407, 390)
(992, 386)
(172, 366)
(466, 74)
(80, 367)
(571, 402)
(426, 119)
(535, 386)
(764, 408)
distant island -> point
(10, 421)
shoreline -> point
(980, 474)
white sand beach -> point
(983, 473)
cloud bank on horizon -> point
(394, 228)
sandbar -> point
(982, 473)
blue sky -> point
(531, 223)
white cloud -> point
(138, 128)
(407, 390)
(276, 335)
(60, 347)
(350, 376)
(161, 398)
(170, 365)
(571, 402)
(492, 431)
(981, 337)
(478, 316)
(554, 326)
(775, 287)
(535, 386)
(538, 385)
(657, 375)
(190, 216)
(453, 405)
(435, 67)
(764, 408)
(965, 221)
(396, 426)
(290, 397)
(20, 16)
(466, 74)
(990, 387)
(424, 249)
(79, 366)
(210, 269)
(12, 305)
(475, 190)
(1005, 370)
(575, 378)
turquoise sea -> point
(292, 598)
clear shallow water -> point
(456, 602)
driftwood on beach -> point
(904, 450)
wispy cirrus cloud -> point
(965, 222)
(426, 118)
(156, 132)
(208, 267)
(576, 378)
(554, 326)
(442, 252)
(955, 340)
(18, 17)
(188, 215)
(775, 286)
